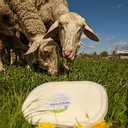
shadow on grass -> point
(38, 68)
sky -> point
(109, 20)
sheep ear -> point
(52, 30)
(89, 33)
(33, 48)
(81, 43)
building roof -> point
(124, 51)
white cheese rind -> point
(87, 103)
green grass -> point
(17, 82)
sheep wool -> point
(28, 18)
(7, 19)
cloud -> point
(119, 5)
(122, 43)
(110, 38)
(91, 46)
(83, 36)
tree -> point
(104, 54)
(94, 55)
(113, 53)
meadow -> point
(17, 82)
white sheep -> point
(32, 27)
(68, 25)
(47, 54)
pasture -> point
(17, 82)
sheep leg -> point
(12, 57)
(4, 56)
(8, 56)
(15, 62)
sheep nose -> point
(67, 51)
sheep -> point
(66, 25)
(7, 21)
(32, 27)
(7, 35)
(49, 52)
(46, 51)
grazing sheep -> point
(4, 57)
(67, 25)
(31, 25)
(47, 54)
(7, 21)
(8, 39)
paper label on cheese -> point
(59, 102)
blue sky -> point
(109, 20)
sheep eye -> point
(83, 26)
(60, 23)
(47, 53)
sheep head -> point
(70, 27)
(46, 53)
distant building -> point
(122, 53)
